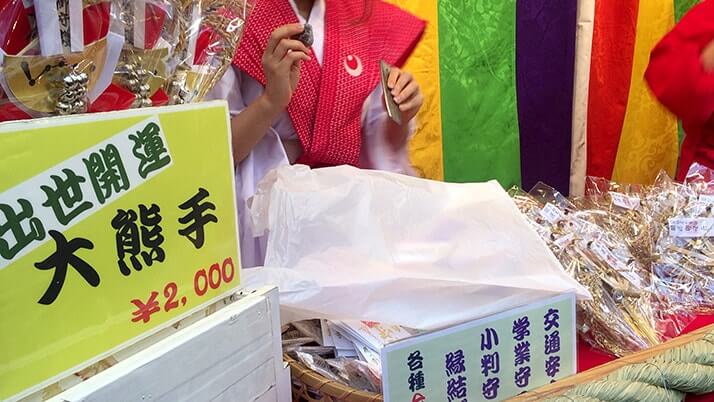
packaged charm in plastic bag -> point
(151, 33)
(74, 56)
(685, 247)
(56, 62)
(620, 318)
(209, 33)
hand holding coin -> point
(306, 37)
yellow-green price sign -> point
(111, 226)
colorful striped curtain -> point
(523, 91)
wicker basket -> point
(308, 386)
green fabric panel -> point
(478, 91)
(682, 6)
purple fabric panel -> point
(545, 64)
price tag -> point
(600, 250)
(551, 213)
(707, 199)
(631, 277)
(698, 208)
(691, 227)
(543, 232)
(625, 201)
(123, 218)
(483, 360)
(606, 255)
(578, 224)
(563, 241)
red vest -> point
(326, 109)
(677, 78)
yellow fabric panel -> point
(649, 135)
(425, 149)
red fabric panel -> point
(614, 35)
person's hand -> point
(406, 93)
(708, 57)
(282, 61)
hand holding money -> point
(402, 94)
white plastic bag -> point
(379, 246)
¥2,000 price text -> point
(214, 277)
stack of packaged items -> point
(344, 351)
(621, 318)
(644, 253)
(76, 56)
(685, 246)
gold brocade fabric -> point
(649, 135)
(425, 148)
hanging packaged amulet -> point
(306, 37)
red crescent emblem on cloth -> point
(353, 65)
(418, 398)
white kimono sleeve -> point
(377, 152)
(267, 155)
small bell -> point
(63, 108)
